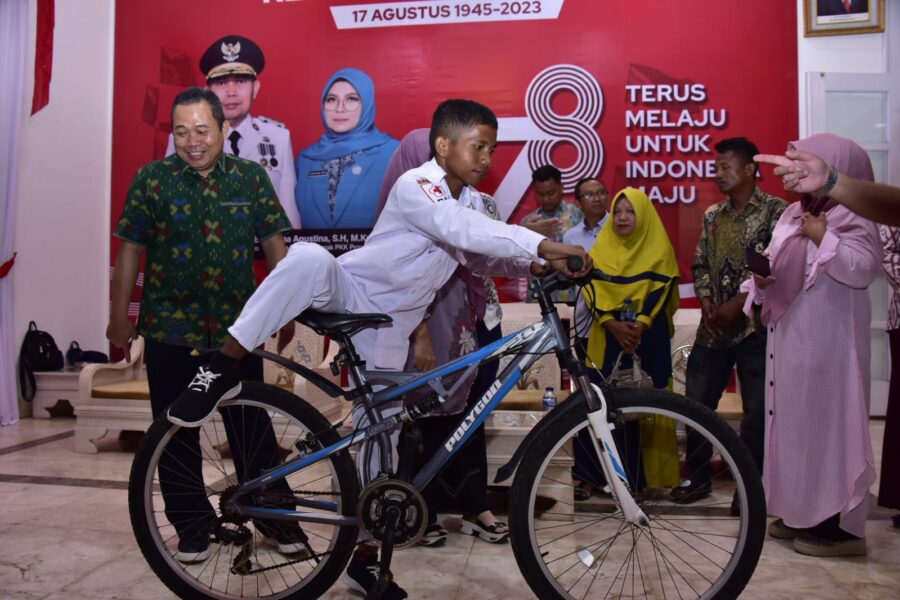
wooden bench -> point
(112, 397)
(731, 409)
(52, 388)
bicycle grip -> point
(574, 264)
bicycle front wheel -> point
(182, 479)
(707, 548)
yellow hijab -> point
(643, 267)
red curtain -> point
(6, 267)
(43, 58)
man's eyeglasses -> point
(591, 195)
(350, 103)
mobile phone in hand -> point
(757, 263)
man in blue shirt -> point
(592, 198)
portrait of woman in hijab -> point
(339, 177)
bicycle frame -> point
(538, 339)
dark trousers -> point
(708, 370)
(889, 488)
(462, 485)
(170, 369)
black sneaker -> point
(198, 401)
(192, 549)
(689, 492)
(362, 575)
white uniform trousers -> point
(308, 277)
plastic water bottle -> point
(628, 313)
(549, 400)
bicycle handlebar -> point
(558, 281)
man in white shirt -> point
(232, 65)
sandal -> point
(434, 536)
(582, 492)
(493, 534)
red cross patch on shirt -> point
(434, 192)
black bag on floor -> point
(39, 353)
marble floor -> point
(65, 534)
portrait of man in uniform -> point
(232, 65)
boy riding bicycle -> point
(425, 231)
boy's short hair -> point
(546, 173)
(193, 95)
(456, 114)
(741, 147)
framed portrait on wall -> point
(843, 17)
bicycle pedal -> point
(225, 536)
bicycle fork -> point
(609, 457)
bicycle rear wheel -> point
(588, 549)
(263, 427)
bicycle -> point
(633, 542)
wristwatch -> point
(829, 184)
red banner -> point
(637, 92)
(43, 54)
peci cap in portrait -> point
(232, 55)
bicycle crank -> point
(373, 509)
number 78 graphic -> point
(542, 129)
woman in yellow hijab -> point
(634, 248)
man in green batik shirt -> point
(195, 214)
(726, 337)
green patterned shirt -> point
(720, 265)
(198, 233)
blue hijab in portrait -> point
(364, 135)
(339, 177)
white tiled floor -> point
(70, 538)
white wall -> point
(866, 53)
(62, 228)
(877, 53)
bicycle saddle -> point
(332, 324)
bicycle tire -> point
(663, 560)
(290, 420)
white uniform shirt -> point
(267, 143)
(421, 237)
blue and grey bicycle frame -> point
(535, 340)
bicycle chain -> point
(286, 564)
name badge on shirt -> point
(321, 173)
(434, 192)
